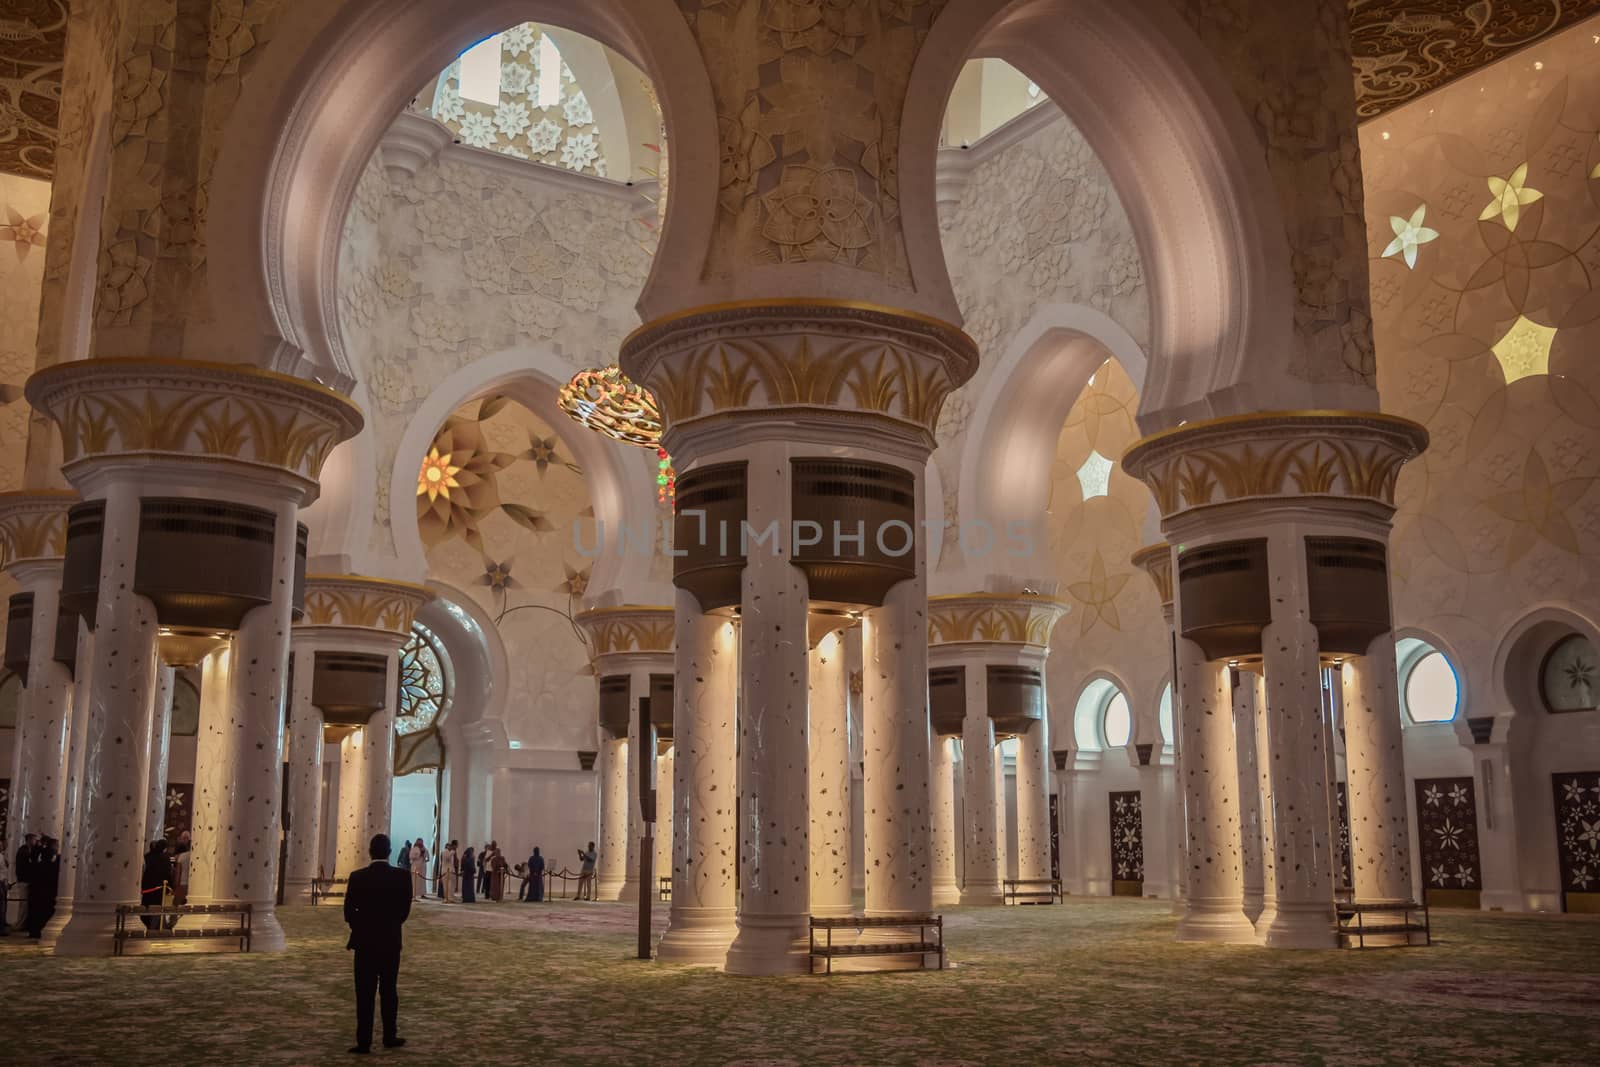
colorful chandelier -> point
(610, 403)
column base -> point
(1216, 921)
(697, 937)
(830, 911)
(297, 891)
(982, 896)
(1255, 905)
(629, 893)
(1300, 925)
(769, 945)
(610, 888)
(946, 894)
(87, 929)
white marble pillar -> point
(352, 833)
(1380, 846)
(611, 864)
(700, 923)
(155, 811)
(1214, 910)
(664, 783)
(1298, 820)
(72, 808)
(305, 782)
(1033, 801)
(985, 844)
(212, 775)
(946, 888)
(378, 737)
(830, 778)
(1155, 808)
(1002, 824)
(117, 754)
(39, 766)
(774, 841)
(1250, 828)
(638, 749)
(899, 840)
(1253, 707)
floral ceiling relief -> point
(33, 44)
(809, 97)
(541, 114)
(24, 227)
(1488, 339)
(498, 500)
(459, 263)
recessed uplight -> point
(1385, 135)
(1538, 64)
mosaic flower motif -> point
(1510, 195)
(174, 798)
(122, 283)
(579, 151)
(542, 450)
(543, 137)
(512, 117)
(1589, 835)
(744, 151)
(1538, 508)
(448, 107)
(477, 130)
(1409, 235)
(518, 39)
(437, 476)
(819, 25)
(1099, 595)
(1465, 875)
(1458, 795)
(1431, 796)
(1449, 834)
(818, 213)
(515, 78)
(576, 109)
(139, 96)
(576, 583)
(25, 233)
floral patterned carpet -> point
(1091, 980)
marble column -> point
(72, 810)
(1250, 802)
(774, 756)
(639, 748)
(110, 850)
(208, 823)
(1033, 802)
(611, 864)
(985, 846)
(155, 811)
(1298, 819)
(1214, 909)
(305, 782)
(946, 888)
(1250, 700)
(830, 778)
(352, 836)
(700, 922)
(39, 768)
(1380, 846)
(664, 784)
(897, 750)
(378, 740)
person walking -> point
(469, 876)
(377, 902)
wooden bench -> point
(1032, 890)
(1399, 919)
(169, 915)
(922, 946)
(327, 889)
(664, 887)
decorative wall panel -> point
(1447, 832)
(180, 809)
(1346, 867)
(1127, 844)
(1578, 839)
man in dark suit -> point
(376, 902)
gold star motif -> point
(1509, 197)
(1409, 235)
(437, 476)
(1525, 349)
(25, 234)
(1099, 595)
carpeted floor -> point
(1096, 980)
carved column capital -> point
(33, 525)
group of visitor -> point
(414, 858)
(35, 870)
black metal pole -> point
(646, 757)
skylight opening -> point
(480, 72)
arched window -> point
(1570, 675)
(425, 682)
(1165, 715)
(1102, 718)
(1430, 691)
(185, 708)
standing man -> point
(22, 871)
(376, 902)
(586, 857)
